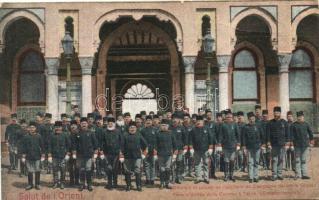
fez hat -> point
(40, 114)
(240, 113)
(187, 115)
(199, 118)
(138, 116)
(219, 114)
(132, 123)
(227, 111)
(143, 112)
(48, 115)
(84, 119)
(105, 119)
(257, 106)
(127, 114)
(98, 117)
(14, 115)
(73, 122)
(32, 123)
(265, 112)
(250, 114)
(155, 116)
(194, 116)
(289, 113)
(165, 121)
(22, 121)
(63, 115)
(300, 113)
(58, 123)
(277, 109)
(148, 117)
(90, 115)
(110, 119)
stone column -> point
(284, 60)
(223, 81)
(52, 87)
(86, 66)
(189, 62)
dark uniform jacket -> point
(21, 137)
(59, 145)
(99, 133)
(180, 136)
(132, 145)
(112, 142)
(252, 136)
(149, 134)
(240, 128)
(12, 133)
(201, 138)
(46, 133)
(213, 129)
(301, 134)
(33, 147)
(165, 143)
(277, 132)
(229, 135)
(85, 144)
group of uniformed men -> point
(168, 145)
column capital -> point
(86, 65)
(223, 62)
(189, 62)
(52, 65)
(284, 60)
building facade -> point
(132, 56)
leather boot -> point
(89, 180)
(226, 171)
(138, 182)
(231, 171)
(128, 182)
(37, 180)
(30, 181)
(167, 176)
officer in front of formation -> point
(58, 154)
(301, 138)
(181, 140)
(149, 133)
(133, 144)
(33, 153)
(201, 142)
(229, 139)
(165, 151)
(84, 149)
(22, 135)
(277, 133)
(72, 167)
(111, 143)
(46, 134)
(252, 138)
(11, 138)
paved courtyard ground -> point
(13, 188)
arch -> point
(268, 19)
(259, 61)
(297, 20)
(313, 52)
(107, 43)
(15, 70)
(15, 15)
(137, 14)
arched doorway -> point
(143, 51)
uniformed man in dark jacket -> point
(188, 164)
(252, 140)
(11, 138)
(85, 148)
(229, 139)
(133, 144)
(212, 126)
(165, 152)
(258, 113)
(181, 140)
(302, 138)
(65, 122)
(46, 135)
(201, 142)
(277, 132)
(265, 152)
(241, 157)
(99, 132)
(91, 120)
(156, 122)
(72, 167)
(59, 154)
(290, 153)
(33, 153)
(149, 133)
(218, 154)
(110, 151)
(22, 134)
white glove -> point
(237, 148)
(42, 159)
(122, 160)
(102, 156)
(191, 151)
(50, 159)
(143, 156)
(174, 157)
(210, 151)
(74, 156)
(263, 148)
(67, 157)
(219, 149)
(184, 151)
(286, 147)
(95, 156)
(23, 160)
(155, 157)
(292, 148)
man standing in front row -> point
(252, 138)
(277, 132)
(302, 136)
(84, 149)
(201, 142)
(133, 144)
(33, 153)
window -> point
(300, 76)
(139, 91)
(245, 83)
(31, 84)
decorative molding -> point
(86, 65)
(284, 60)
(52, 65)
(296, 10)
(39, 12)
(236, 10)
(223, 62)
(189, 62)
